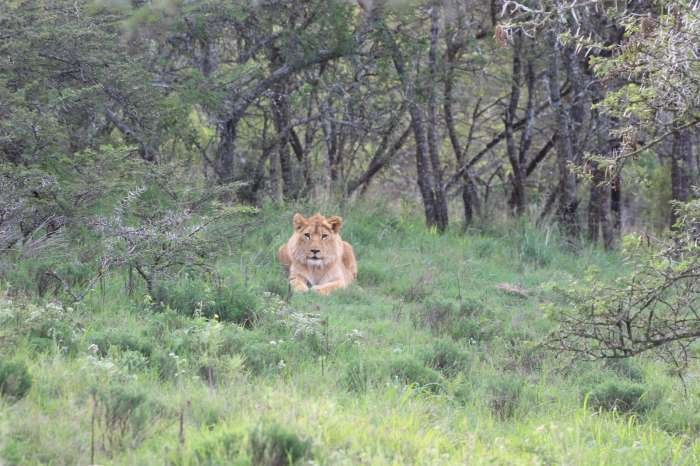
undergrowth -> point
(427, 359)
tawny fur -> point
(316, 257)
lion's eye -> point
(308, 236)
(324, 236)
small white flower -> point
(281, 364)
(273, 342)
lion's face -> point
(316, 242)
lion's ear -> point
(335, 222)
(299, 221)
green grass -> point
(423, 361)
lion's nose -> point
(315, 251)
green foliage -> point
(447, 357)
(228, 302)
(122, 339)
(650, 309)
(360, 376)
(623, 396)
(467, 321)
(125, 413)
(210, 448)
(15, 380)
(272, 445)
(409, 370)
(503, 395)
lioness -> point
(316, 257)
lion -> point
(316, 257)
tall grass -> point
(425, 360)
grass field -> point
(425, 360)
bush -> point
(122, 339)
(50, 333)
(220, 446)
(235, 304)
(446, 357)
(436, 315)
(484, 247)
(272, 445)
(359, 374)
(166, 364)
(409, 370)
(504, 392)
(278, 286)
(627, 368)
(15, 380)
(623, 396)
(232, 303)
(444, 318)
(125, 415)
(373, 275)
(534, 247)
(260, 356)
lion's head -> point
(315, 241)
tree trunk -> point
(681, 169)
(566, 193)
(469, 195)
(433, 146)
(281, 113)
(616, 205)
(517, 178)
(225, 154)
(332, 140)
(425, 180)
(600, 226)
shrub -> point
(272, 445)
(166, 364)
(484, 247)
(260, 356)
(446, 357)
(436, 315)
(420, 289)
(125, 415)
(504, 392)
(278, 286)
(409, 370)
(626, 368)
(232, 303)
(235, 304)
(15, 380)
(466, 323)
(623, 396)
(220, 446)
(534, 247)
(373, 275)
(122, 339)
(359, 374)
(53, 333)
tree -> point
(653, 309)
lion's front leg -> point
(299, 284)
(328, 288)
